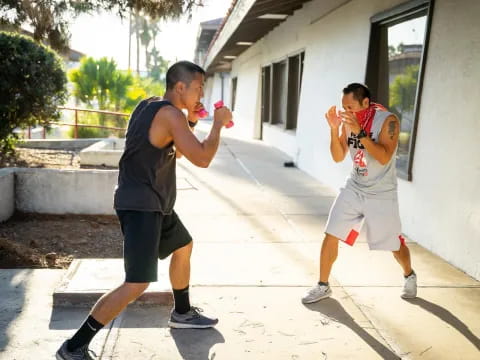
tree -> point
(137, 37)
(146, 31)
(84, 79)
(99, 81)
(403, 90)
(50, 18)
(119, 90)
(159, 67)
(32, 84)
(142, 88)
(146, 37)
(156, 65)
(391, 51)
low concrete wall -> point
(7, 193)
(52, 191)
(106, 152)
(61, 144)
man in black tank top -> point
(158, 133)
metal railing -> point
(77, 124)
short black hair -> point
(183, 71)
(359, 91)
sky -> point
(408, 32)
(105, 34)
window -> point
(281, 84)
(266, 87)
(295, 72)
(397, 53)
(279, 93)
(234, 92)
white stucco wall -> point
(440, 208)
(7, 193)
(52, 191)
(213, 91)
(247, 102)
(207, 92)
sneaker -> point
(81, 353)
(410, 287)
(317, 293)
(191, 320)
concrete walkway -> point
(258, 228)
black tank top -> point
(146, 178)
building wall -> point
(213, 90)
(440, 208)
(247, 102)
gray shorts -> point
(381, 218)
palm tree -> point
(145, 38)
(137, 25)
(50, 19)
(129, 38)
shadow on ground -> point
(334, 311)
(447, 317)
(191, 344)
(12, 300)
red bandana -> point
(365, 116)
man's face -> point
(351, 104)
(193, 93)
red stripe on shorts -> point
(352, 236)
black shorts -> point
(149, 236)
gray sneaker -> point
(410, 287)
(317, 293)
(78, 354)
(191, 320)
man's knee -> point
(330, 239)
(135, 289)
(184, 251)
(329, 246)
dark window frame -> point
(401, 13)
(279, 94)
(266, 104)
(292, 101)
(234, 92)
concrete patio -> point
(258, 227)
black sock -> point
(85, 334)
(406, 276)
(182, 300)
(323, 283)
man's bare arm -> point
(199, 153)
(178, 154)
(383, 150)
(338, 144)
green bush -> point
(32, 84)
(142, 88)
(88, 133)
